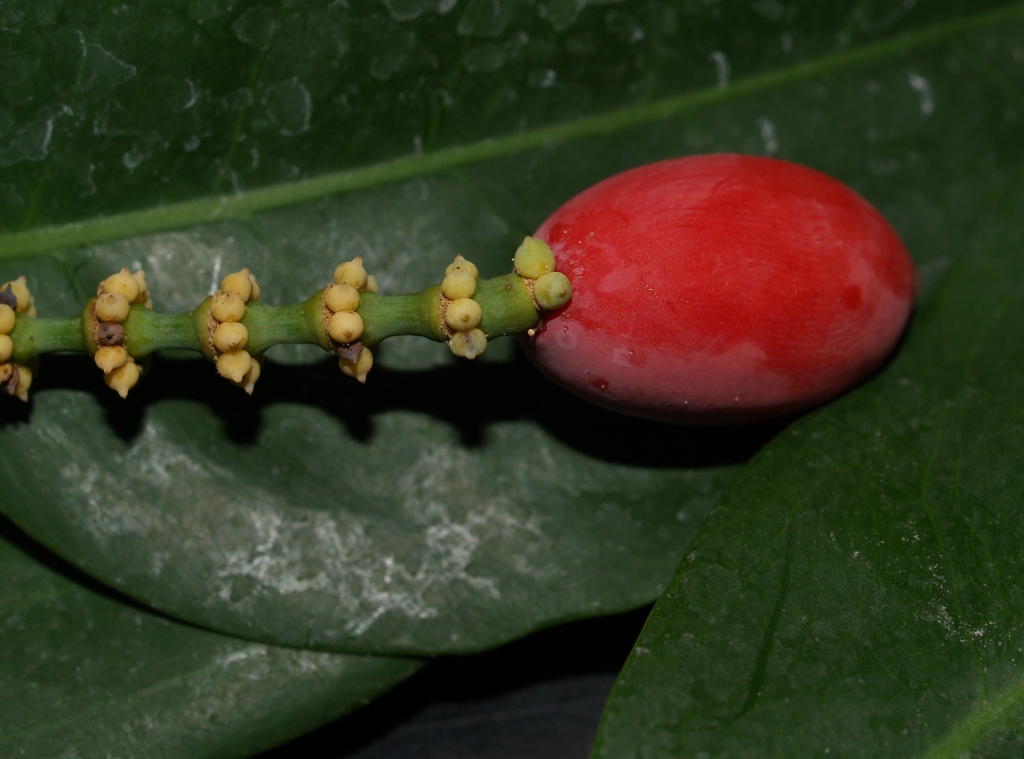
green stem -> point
(147, 331)
(33, 336)
(297, 323)
(506, 303)
(386, 316)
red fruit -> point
(721, 289)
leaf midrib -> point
(223, 207)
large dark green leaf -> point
(440, 508)
(84, 675)
(108, 107)
(857, 591)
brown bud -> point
(24, 383)
(110, 333)
(351, 351)
(8, 298)
(10, 385)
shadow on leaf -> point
(469, 397)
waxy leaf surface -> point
(85, 674)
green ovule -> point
(233, 328)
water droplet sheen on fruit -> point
(732, 277)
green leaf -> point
(440, 508)
(80, 670)
(856, 591)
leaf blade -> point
(239, 205)
(142, 685)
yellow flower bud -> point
(230, 336)
(24, 383)
(351, 273)
(6, 348)
(227, 308)
(20, 289)
(458, 284)
(237, 284)
(358, 368)
(6, 370)
(123, 284)
(123, 379)
(345, 327)
(111, 307)
(111, 357)
(341, 298)
(7, 319)
(143, 298)
(255, 289)
(462, 263)
(534, 258)
(552, 290)
(468, 344)
(371, 284)
(234, 365)
(463, 314)
(248, 382)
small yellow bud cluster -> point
(16, 295)
(15, 378)
(115, 297)
(343, 323)
(227, 333)
(461, 314)
(535, 263)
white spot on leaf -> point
(924, 88)
(32, 141)
(769, 137)
(722, 68)
(256, 26)
(289, 106)
(101, 68)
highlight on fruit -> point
(709, 289)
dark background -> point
(540, 697)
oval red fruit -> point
(721, 289)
